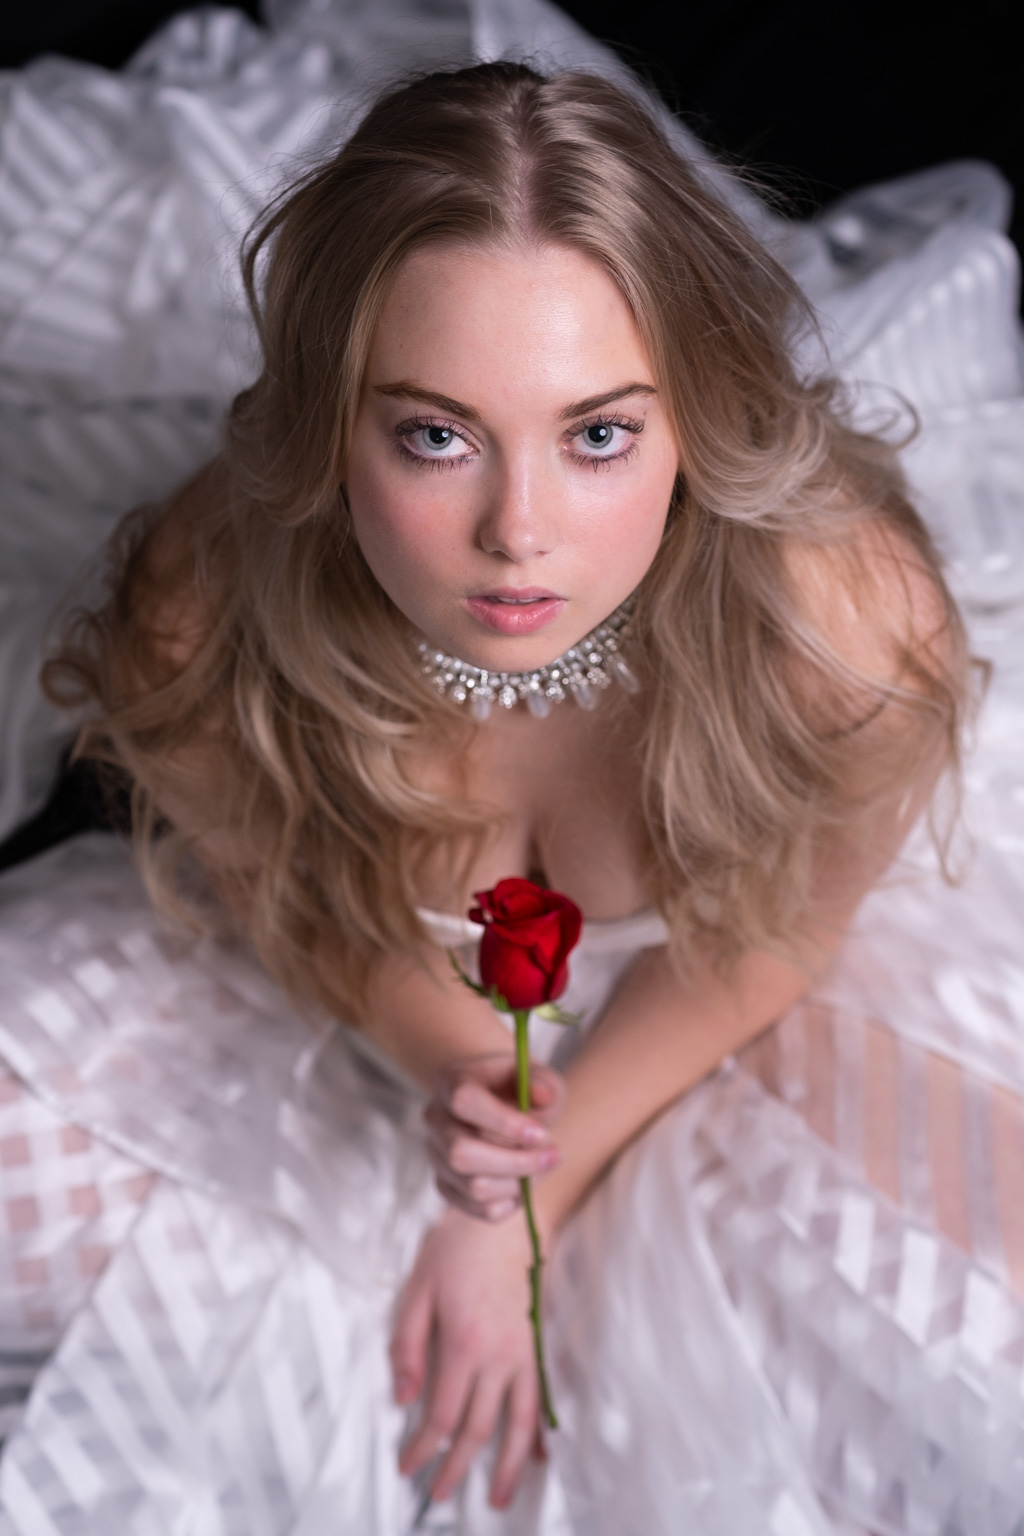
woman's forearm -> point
(658, 1037)
(424, 1018)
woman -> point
(524, 377)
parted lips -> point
(528, 934)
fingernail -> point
(534, 1135)
(404, 1386)
(551, 1158)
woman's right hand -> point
(480, 1143)
(462, 1344)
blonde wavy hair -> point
(288, 718)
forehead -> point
(495, 325)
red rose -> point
(528, 933)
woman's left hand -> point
(481, 1145)
(462, 1342)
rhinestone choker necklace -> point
(586, 667)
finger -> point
(495, 1069)
(492, 1208)
(547, 1086)
(498, 1072)
(519, 1435)
(474, 1104)
(410, 1342)
(469, 1155)
(465, 1150)
(444, 1131)
(446, 1405)
(475, 1431)
(498, 1208)
(486, 1192)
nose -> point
(519, 520)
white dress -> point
(794, 1306)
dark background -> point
(815, 97)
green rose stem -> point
(522, 1023)
(522, 1018)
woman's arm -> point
(658, 1037)
(424, 1017)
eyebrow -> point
(595, 402)
(405, 389)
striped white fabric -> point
(794, 1306)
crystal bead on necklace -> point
(586, 668)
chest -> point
(563, 800)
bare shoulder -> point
(884, 695)
(877, 603)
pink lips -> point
(515, 611)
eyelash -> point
(427, 461)
(592, 460)
(584, 460)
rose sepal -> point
(556, 1015)
(492, 994)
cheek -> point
(398, 526)
(632, 521)
(651, 512)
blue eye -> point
(434, 442)
(605, 439)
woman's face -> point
(511, 463)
